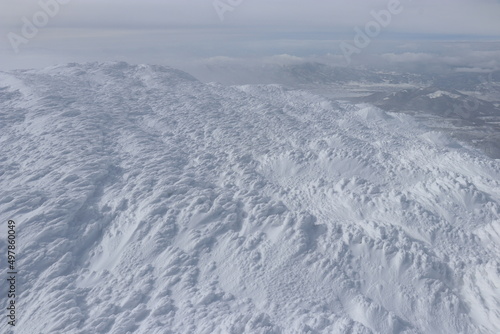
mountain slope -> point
(435, 101)
(465, 117)
(149, 202)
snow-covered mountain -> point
(465, 117)
(149, 202)
(299, 74)
(434, 100)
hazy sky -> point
(170, 31)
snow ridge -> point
(149, 202)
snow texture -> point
(440, 93)
(149, 202)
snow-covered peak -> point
(114, 68)
(440, 93)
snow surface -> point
(441, 93)
(149, 202)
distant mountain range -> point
(315, 73)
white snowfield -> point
(441, 93)
(149, 202)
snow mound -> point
(370, 113)
(441, 93)
(440, 139)
(149, 202)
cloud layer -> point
(423, 16)
(174, 29)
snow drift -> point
(149, 202)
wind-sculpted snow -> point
(149, 202)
